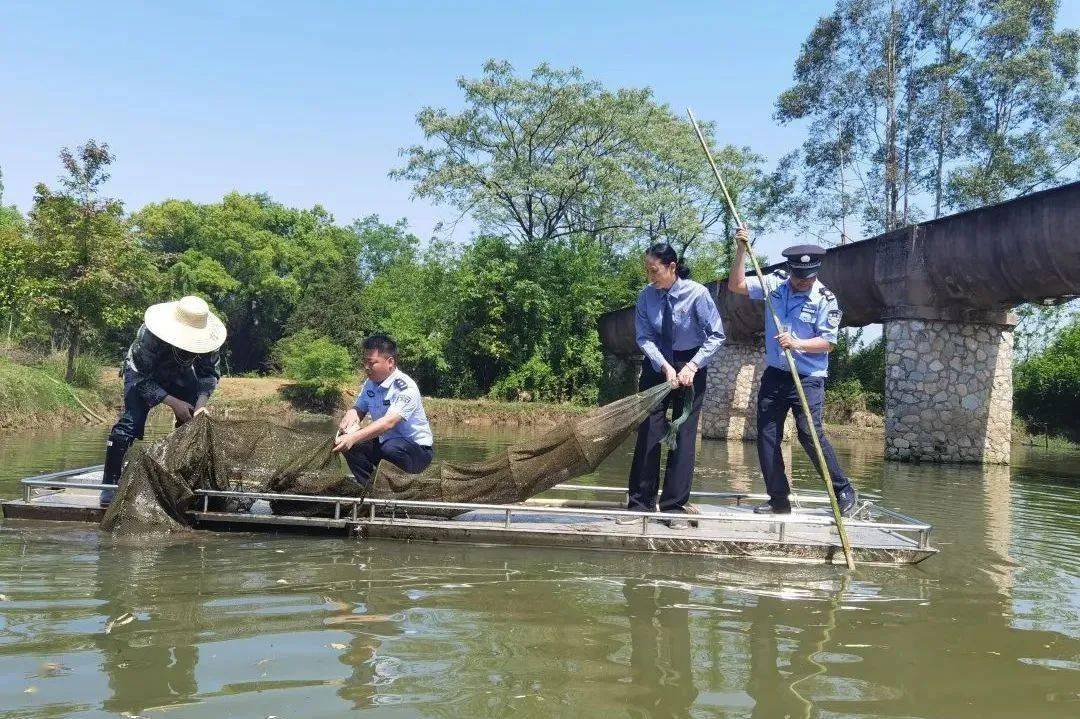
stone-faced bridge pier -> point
(943, 291)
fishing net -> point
(159, 481)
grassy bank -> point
(261, 396)
(33, 396)
(490, 413)
(1022, 435)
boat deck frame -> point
(725, 527)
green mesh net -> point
(159, 481)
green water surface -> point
(246, 625)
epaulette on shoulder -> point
(827, 294)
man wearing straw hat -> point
(173, 360)
(810, 319)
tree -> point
(17, 282)
(525, 319)
(1047, 385)
(538, 157)
(93, 276)
(318, 367)
(853, 82)
(915, 106)
(1039, 325)
(553, 155)
(414, 301)
(251, 258)
(1021, 120)
(380, 246)
(569, 182)
(945, 28)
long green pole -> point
(837, 516)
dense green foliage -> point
(1047, 386)
(857, 374)
(319, 368)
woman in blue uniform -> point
(678, 329)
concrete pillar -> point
(730, 409)
(948, 390)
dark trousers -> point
(132, 424)
(363, 458)
(776, 396)
(645, 469)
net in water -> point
(159, 480)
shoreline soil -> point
(32, 398)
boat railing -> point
(352, 507)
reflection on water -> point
(215, 625)
(660, 667)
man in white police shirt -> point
(399, 431)
(810, 316)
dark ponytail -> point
(666, 254)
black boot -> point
(115, 449)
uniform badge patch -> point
(400, 384)
(833, 318)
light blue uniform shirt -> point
(400, 393)
(694, 316)
(806, 315)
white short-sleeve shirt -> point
(400, 393)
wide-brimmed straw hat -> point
(187, 323)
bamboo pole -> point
(823, 467)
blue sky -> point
(310, 102)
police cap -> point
(804, 260)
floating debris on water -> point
(125, 618)
(358, 619)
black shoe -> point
(847, 500)
(770, 508)
(680, 518)
(677, 522)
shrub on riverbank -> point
(1047, 387)
(847, 402)
(318, 367)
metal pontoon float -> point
(724, 527)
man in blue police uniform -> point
(399, 431)
(173, 361)
(810, 316)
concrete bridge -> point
(943, 291)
